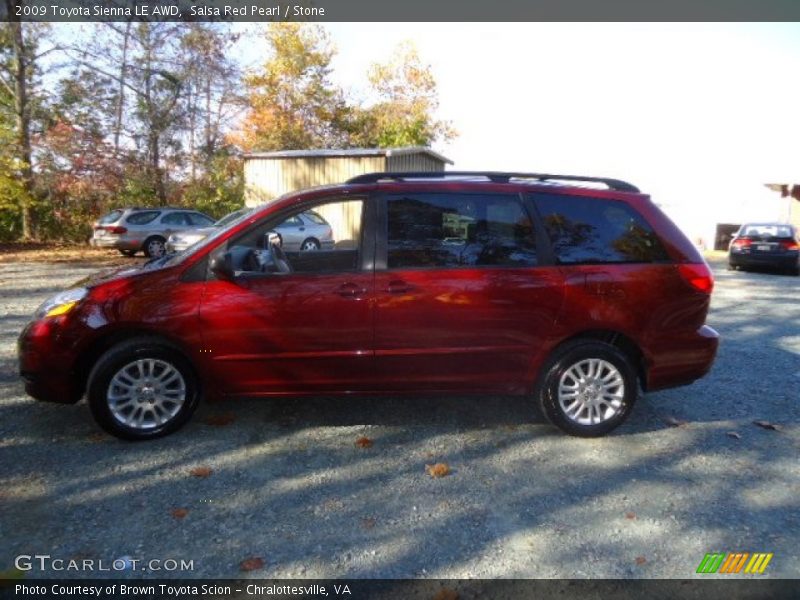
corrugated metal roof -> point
(350, 152)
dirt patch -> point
(62, 253)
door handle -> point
(398, 286)
(351, 290)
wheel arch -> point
(91, 354)
(619, 340)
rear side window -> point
(114, 215)
(142, 218)
(314, 218)
(459, 230)
(586, 230)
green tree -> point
(404, 113)
(292, 102)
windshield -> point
(174, 259)
(230, 218)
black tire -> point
(573, 353)
(124, 353)
(151, 244)
(128, 252)
(310, 245)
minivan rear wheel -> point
(142, 388)
(587, 388)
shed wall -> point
(414, 162)
(268, 178)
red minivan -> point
(574, 291)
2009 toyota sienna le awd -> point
(573, 291)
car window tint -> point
(110, 217)
(200, 220)
(597, 230)
(459, 230)
(142, 218)
(175, 218)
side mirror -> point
(272, 238)
(222, 266)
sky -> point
(697, 115)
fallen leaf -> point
(368, 522)
(640, 560)
(734, 435)
(364, 442)
(97, 436)
(201, 471)
(673, 422)
(220, 420)
(179, 513)
(251, 564)
(446, 594)
(630, 515)
(768, 425)
(438, 470)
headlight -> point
(61, 303)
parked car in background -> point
(483, 283)
(769, 245)
(130, 230)
(304, 232)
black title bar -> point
(399, 10)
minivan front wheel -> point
(142, 389)
(587, 388)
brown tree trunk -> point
(22, 114)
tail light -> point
(790, 245)
(698, 275)
(742, 242)
(117, 229)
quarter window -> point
(586, 230)
(459, 230)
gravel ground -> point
(289, 485)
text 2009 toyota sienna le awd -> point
(530, 284)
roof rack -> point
(493, 176)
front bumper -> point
(44, 370)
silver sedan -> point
(303, 232)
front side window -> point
(332, 245)
(175, 219)
(587, 230)
(459, 230)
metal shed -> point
(268, 175)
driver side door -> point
(305, 331)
